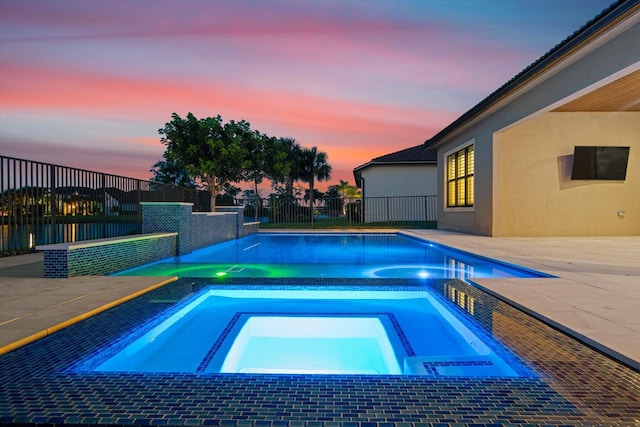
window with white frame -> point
(460, 167)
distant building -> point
(410, 173)
(507, 167)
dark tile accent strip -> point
(577, 385)
(232, 323)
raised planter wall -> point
(168, 229)
(104, 256)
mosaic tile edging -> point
(106, 255)
(502, 351)
(36, 395)
(242, 316)
(100, 355)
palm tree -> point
(293, 153)
(316, 195)
(348, 193)
(343, 187)
(352, 192)
(313, 165)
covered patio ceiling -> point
(622, 94)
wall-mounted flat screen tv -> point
(608, 163)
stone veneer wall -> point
(239, 212)
(105, 256)
(243, 228)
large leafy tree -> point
(172, 173)
(209, 149)
(278, 164)
(313, 165)
(266, 159)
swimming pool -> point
(576, 385)
(371, 256)
(402, 333)
(319, 331)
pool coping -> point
(36, 307)
(66, 323)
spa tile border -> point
(578, 386)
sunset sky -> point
(89, 83)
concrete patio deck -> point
(32, 307)
(595, 296)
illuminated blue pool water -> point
(221, 330)
(321, 331)
(371, 256)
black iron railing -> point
(390, 212)
(42, 203)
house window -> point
(460, 178)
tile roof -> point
(414, 154)
(417, 154)
(409, 156)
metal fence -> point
(367, 212)
(42, 203)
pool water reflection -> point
(342, 331)
(371, 256)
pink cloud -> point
(78, 20)
(336, 124)
(358, 79)
(73, 91)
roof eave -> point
(593, 29)
(408, 162)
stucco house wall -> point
(493, 130)
(533, 191)
(400, 180)
(399, 186)
(397, 192)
